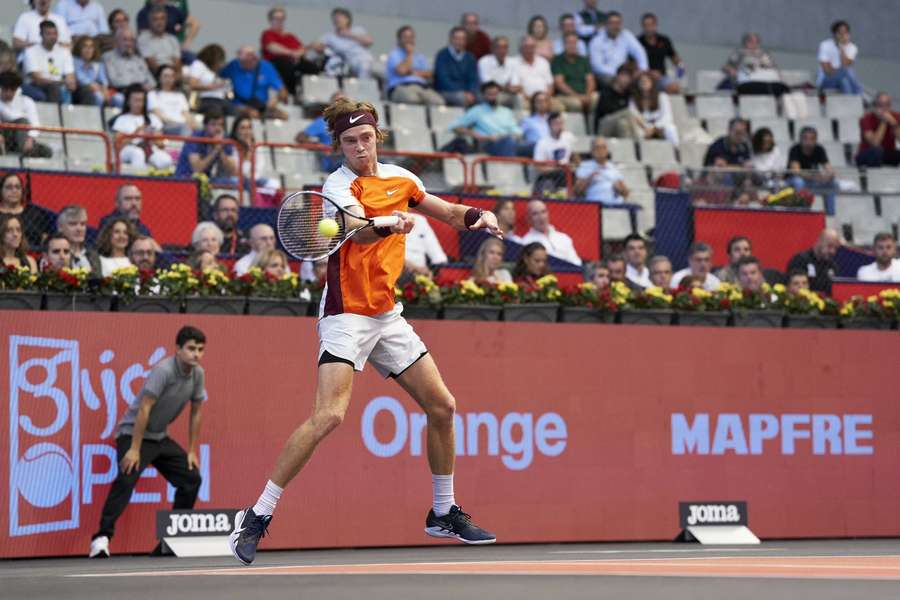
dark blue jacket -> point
(451, 75)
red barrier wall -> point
(776, 234)
(569, 452)
(844, 290)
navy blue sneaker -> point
(458, 525)
(249, 528)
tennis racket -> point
(298, 225)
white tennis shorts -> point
(387, 341)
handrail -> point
(566, 169)
(65, 130)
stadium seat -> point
(848, 131)
(850, 175)
(85, 152)
(714, 107)
(779, 127)
(840, 106)
(615, 223)
(442, 116)
(291, 161)
(717, 127)
(583, 144)
(622, 150)
(365, 90)
(46, 164)
(318, 89)
(48, 113)
(284, 132)
(657, 152)
(576, 124)
(408, 140)
(752, 107)
(108, 113)
(836, 154)
(10, 161)
(409, 116)
(454, 172)
(857, 211)
(692, 154)
(293, 111)
(708, 81)
(680, 112)
(883, 181)
(635, 177)
(890, 211)
(82, 117)
(442, 138)
(646, 217)
(796, 77)
(822, 125)
(508, 177)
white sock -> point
(268, 499)
(442, 488)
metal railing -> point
(537, 165)
(108, 162)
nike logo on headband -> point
(355, 119)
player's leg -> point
(172, 464)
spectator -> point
(14, 245)
(750, 274)
(809, 166)
(818, 262)
(612, 47)
(661, 272)
(143, 253)
(408, 72)
(256, 84)
(225, 214)
(113, 244)
(612, 117)
(36, 221)
(7, 61)
(169, 103)
(572, 77)
(730, 150)
(129, 204)
(492, 126)
(178, 22)
(273, 263)
(750, 70)
(124, 67)
(27, 30)
(886, 266)
(203, 261)
(215, 159)
(317, 133)
(533, 73)
(242, 134)
(796, 281)
(90, 73)
(57, 254)
(16, 107)
(262, 238)
(616, 266)
(535, 126)
(117, 19)
(533, 264)
(488, 265)
(505, 211)
(636, 270)
(50, 70)
(597, 273)
(499, 68)
(539, 31)
(349, 45)
(556, 147)
(203, 78)
(880, 129)
(652, 110)
(478, 44)
(598, 179)
(658, 48)
(738, 247)
(83, 17)
(557, 243)
(589, 21)
(156, 45)
(767, 156)
(423, 249)
(837, 56)
(567, 26)
(207, 237)
(72, 223)
(456, 72)
(699, 265)
(285, 50)
(135, 120)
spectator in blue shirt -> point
(215, 160)
(490, 124)
(456, 72)
(253, 80)
(408, 72)
(317, 133)
(89, 71)
(535, 126)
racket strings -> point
(298, 227)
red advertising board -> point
(564, 432)
(844, 290)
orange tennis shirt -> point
(361, 277)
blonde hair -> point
(262, 260)
(479, 269)
(343, 106)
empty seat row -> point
(749, 107)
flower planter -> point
(215, 305)
(472, 312)
(583, 314)
(277, 307)
(420, 311)
(77, 302)
(540, 312)
(20, 300)
(149, 304)
(702, 318)
(649, 316)
(867, 323)
(811, 322)
(759, 318)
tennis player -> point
(359, 321)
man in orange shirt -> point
(360, 321)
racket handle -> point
(388, 221)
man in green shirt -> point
(572, 77)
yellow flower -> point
(699, 292)
(554, 294)
(779, 288)
(508, 287)
(889, 304)
(872, 298)
(547, 280)
(892, 293)
(735, 296)
(847, 310)
(587, 286)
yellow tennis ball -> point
(328, 227)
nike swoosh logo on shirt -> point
(355, 119)
(391, 192)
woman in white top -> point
(211, 89)
(169, 103)
(135, 119)
(767, 157)
(653, 110)
(113, 243)
(242, 133)
(488, 261)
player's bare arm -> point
(370, 235)
(455, 215)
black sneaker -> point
(457, 524)
(249, 528)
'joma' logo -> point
(198, 523)
(713, 513)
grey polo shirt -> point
(164, 49)
(125, 70)
(172, 390)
